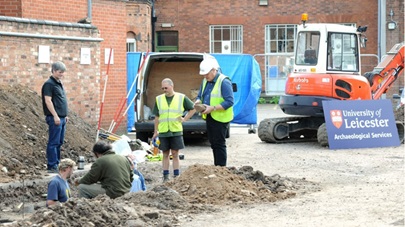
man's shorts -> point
(173, 142)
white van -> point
(183, 69)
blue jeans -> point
(55, 141)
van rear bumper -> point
(189, 127)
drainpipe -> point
(154, 18)
(382, 21)
(89, 9)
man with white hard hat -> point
(216, 95)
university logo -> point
(336, 117)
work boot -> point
(55, 171)
(166, 178)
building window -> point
(280, 38)
(279, 55)
(226, 39)
(131, 42)
(263, 2)
(167, 38)
(167, 41)
(131, 45)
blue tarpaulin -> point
(133, 63)
(243, 70)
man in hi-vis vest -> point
(217, 96)
(168, 111)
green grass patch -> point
(269, 100)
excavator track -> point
(289, 129)
(322, 136)
(401, 129)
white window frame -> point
(281, 38)
(278, 62)
(229, 34)
(131, 45)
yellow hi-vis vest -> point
(223, 116)
(170, 116)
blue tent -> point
(243, 70)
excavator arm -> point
(387, 71)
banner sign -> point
(360, 124)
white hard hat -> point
(207, 64)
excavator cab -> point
(327, 67)
(327, 48)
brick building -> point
(33, 30)
(258, 27)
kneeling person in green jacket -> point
(110, 174)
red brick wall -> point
(192, 19)
(139, 22)
(66, 10)
(396, 36)
(19, 61)
(10, 8)
(111, 19)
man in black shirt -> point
(55, 107)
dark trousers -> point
(216, 132)
(55, 141)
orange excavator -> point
(327, 67)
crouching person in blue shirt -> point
(58, 187)
(138, 184)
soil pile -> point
(220, 185)
(24, 134)
(399, 113)
(200, 188)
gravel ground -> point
(353, 187)
(358, 187)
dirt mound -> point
(161, 206)
(399, 113)
(24, 134)
(200, 188)
(219, 185)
